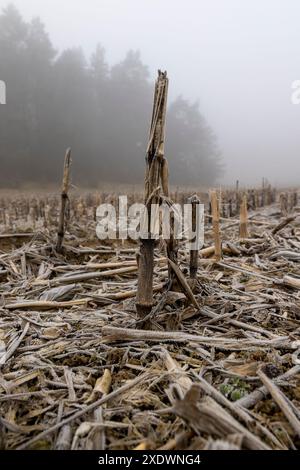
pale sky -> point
(237, 57)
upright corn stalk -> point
(244, 218)
(253, 199)
(156, 182)
(295, 198)
(237, 196)
(263, 193)
(194, 253)
(283, 199)
(64, 200)
(215, 211)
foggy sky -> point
(237, 57)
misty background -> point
(79, 81)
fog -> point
(237, 58)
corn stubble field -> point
(218, 370)
(144, 345)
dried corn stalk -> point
(156, 178)
(216, 225)
(64, 201)
(244, 218)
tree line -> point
(102, 112)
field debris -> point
(217, 366)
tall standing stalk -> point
(156, 178)
(216, 225)
(64, 200)
(194, 253)
(237, 196)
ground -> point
(80, 372)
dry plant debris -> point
(218, 372)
